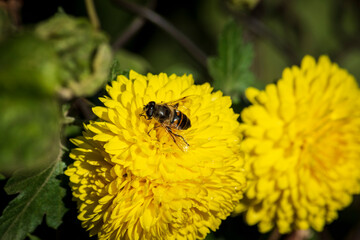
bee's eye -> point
(150, 111)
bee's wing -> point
(179, 140)
(184, 101)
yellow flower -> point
(303, 140)
(133, 183)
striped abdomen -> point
(180, 121)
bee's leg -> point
(143, 115)
(176, 106)
(155, 127)
(172, 134)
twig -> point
(90, 8)
(158, 20)
(133, 28)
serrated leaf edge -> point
(37, 191)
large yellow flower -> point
(131, 184)
(303, 140)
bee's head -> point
(149, 109)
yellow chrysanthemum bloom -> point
(303, 140)
(132, 181)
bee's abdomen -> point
(181, 121)
(185, 123)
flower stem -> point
(132, 29)
(90, 8)
(158, 20)
(299, 235)
(275, 235)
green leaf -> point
(29, 112)
(65, 118)
(39, 193)
(84, 52)
(72, 131)
(33, 237)
(30, 131)
(117, 70)
(231, 68)
(29, 65)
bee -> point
(170, 118)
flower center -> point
(322, 148)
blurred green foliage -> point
(41, 69)
(30, 131)
(29, 65)
(306, 27)
(242, 4)
(30, 117)
(231, 69)
(128, 61)
(5, 25)
(85, 55)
